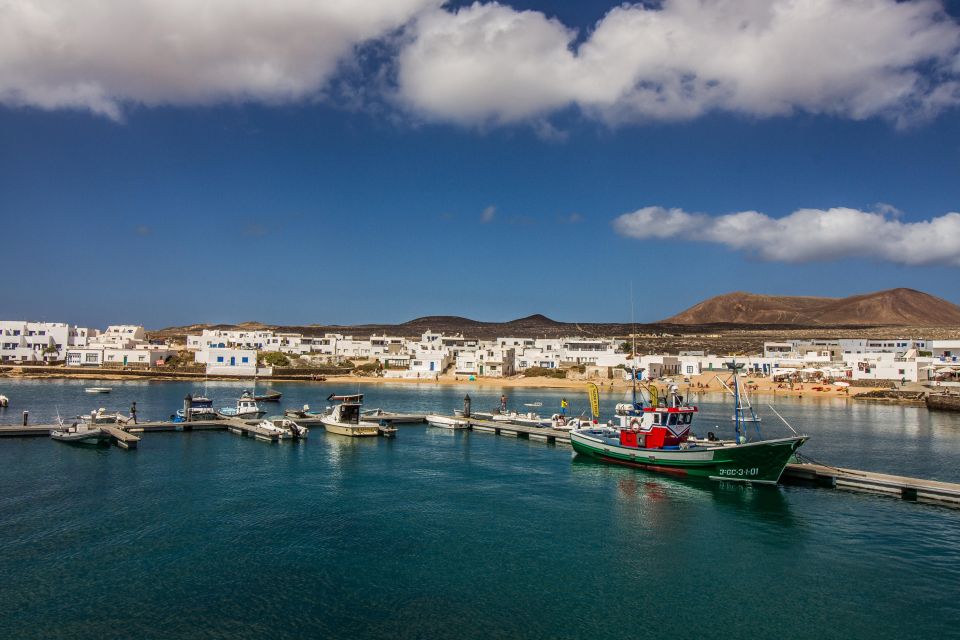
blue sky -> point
(361, 196)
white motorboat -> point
(79, 433)
(246, 409)
(102, 416)
(98, 389)
(295, 430)
(529, 419)
(4, 401)
(344, 418)
(447, 422)
(268, 428)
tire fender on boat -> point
(635, 424)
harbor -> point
(806, 472)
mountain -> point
(893, 307)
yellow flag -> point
(594, 400)
(654, 395)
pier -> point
(511, 430)
(918, 489)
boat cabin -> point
(348, 411)
(655, 427)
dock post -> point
(26, 417)
(466, 406)
(187, 403)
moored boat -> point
(657, 437)
(79, 432)
(245, 409)
(344, 418)
(269, 396)
(200, 408)
(98, 389)
(447, 422)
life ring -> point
(635, 424)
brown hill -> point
(893, 307)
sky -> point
(165, 162)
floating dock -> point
(946, 493)
(511, 430)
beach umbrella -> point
(945, 370)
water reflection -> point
(660, 495)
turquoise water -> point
(467, 535)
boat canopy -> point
(356, 398)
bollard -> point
(187, 404)
(26, 417)
(466, 406)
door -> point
(124, 360)
(233, 361)
(432, 366)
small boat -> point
(4, 401)
(269, 396)
(569, 423)
(298, 431)
(201, 408)
(528, 419)
(376, 415)
(79, 432)
(387, 431)
(102, 416)
(447, 422)
(270, 429)
(533, 404)
(344, 418)
(300, 414)
(657, 437)
(98, 389)
(246, 409)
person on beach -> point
(563, 407)
(133, 412)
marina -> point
(455, 477)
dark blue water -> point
(467, 535)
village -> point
(432, 355)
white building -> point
(22, 341)
(119, 336)
(232, 362)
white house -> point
(22, 341)
(232, 362)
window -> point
(91, 358)
(244, 359)
(219, 358)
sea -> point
(442, 534)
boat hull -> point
(760, 462)
(348, 429)
(446, 422)
(93, 437)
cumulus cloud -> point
(680, 58)
(487, 63)
(98, 55)
(807, 234)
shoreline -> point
(705, 383)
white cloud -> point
(488, 63)
(98, 55)
(852, 58)
(488, 214)
(807, 234)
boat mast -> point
(737, 409)
(633, 349)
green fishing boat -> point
(656, 436)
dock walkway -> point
(542, 434)
(917, 489)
